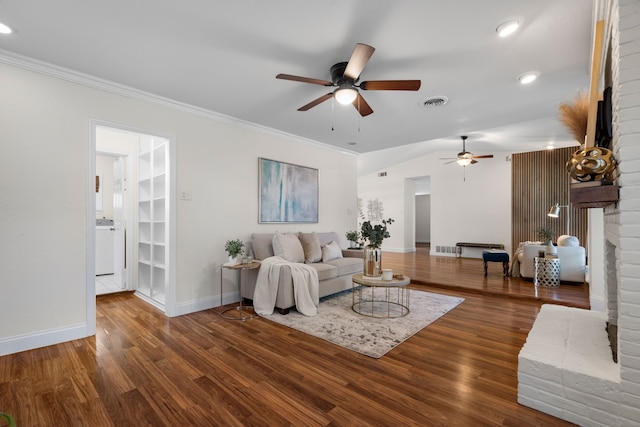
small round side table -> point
(244, 311)
(547, 272)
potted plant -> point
(374, 234)
(546, 235)
(352, 237)
(234, 248)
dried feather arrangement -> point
(574, 116)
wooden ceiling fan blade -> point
(391, 85)
(304, 79)
(473, 161)
(361, 105)
(359, 58)
(487, 156)
(316, 102)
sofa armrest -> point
(353, 253)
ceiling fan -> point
(344, 77)
(466, 158)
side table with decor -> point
(546, 272)
(244, 312)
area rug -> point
(336, 322)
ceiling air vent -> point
(380, 174)
(434, 101)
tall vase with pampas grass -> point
(574, 115)
(588, 163)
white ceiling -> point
(223, 56)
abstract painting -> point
(288, 193)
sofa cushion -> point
(325, 271)
(566, 240)
(262, 245)
(331, 251)
(347, 265)
(288, 246)
(311, 247)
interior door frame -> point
(170, 301)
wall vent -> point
(381, 174)
(434, 101)
(446, 249)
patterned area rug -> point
(336, 322)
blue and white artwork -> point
(288, 193)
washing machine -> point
(105, 235)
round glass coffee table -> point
(380, 298)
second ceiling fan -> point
(345, 76)
(466, 158)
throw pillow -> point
(311, 247)
(566, 240)
(288, 246)
(331, 251)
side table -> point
(546, 272)
(243, 310)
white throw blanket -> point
(305, 286)
(515, 262)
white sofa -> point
(573, 260)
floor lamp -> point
(554, 212)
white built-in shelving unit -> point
(153, 219)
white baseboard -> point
(206, 303)
(25, 342)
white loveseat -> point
(573, 260)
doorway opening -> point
(134, 211)
(422, 188)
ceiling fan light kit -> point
(345, 95)
(345, 76)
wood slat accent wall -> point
(539, 180)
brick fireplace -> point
(566, 368)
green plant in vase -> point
(545, 234)
(374, 234)
(353, 237)
(234, 248)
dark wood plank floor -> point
(143, 369)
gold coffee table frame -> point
(383, 299)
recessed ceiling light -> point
(528, 77)
(507, 28)
(5, 29)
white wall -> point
(472, 209)
(44, 176)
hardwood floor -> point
(468, 274)
(143, 369)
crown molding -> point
(31, 64)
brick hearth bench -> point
(566, 369)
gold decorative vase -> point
(372, 261)
(591, 164)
